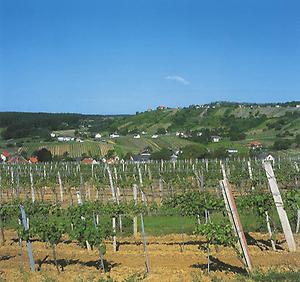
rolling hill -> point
(236, 123)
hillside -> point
(235, 123)
(214, 116)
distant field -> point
(68, 132)
(129, 144)
(75, 149)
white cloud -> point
(177, 78)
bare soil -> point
(170, 260)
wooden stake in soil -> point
(250, 173)
(96, 222)
(26, 227)
(135, 225)
(114, 234)
(2, 237)
(116, 200)
(32, 188)
(235, 220)
(270, 231)
(21, 250)
(298, 221)
(279, 206)
(60, 188)
(145, 245)
(79, 200)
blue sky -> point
(108, 57)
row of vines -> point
(95, 204)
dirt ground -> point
(170, 260)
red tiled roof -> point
(87, 161)
(254, 144)
(5, 154)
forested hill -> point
(20, 124)
(234, 120)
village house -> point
(98, 136)
(154, 136)
(254, 145)
(65, 139)
(232, 151)
(4, 156)
(141, 158)
(79, 140)
(113, 160)
(215, 138)
(145, 153)
(33, 160)
(181, 134)
(89, 161)
(136, 136)
(174, 158)
(114, 135)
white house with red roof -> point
(4, 156)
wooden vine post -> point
(250, 173)
(60, 188)
(270, 231)
(29, 248)
(135, 222)
(235, 219)
(145, 245)
(32, 188)
(2, 237)
(279, 206)
(298, 221)
(236, 223)
(114, 200)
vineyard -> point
(128, 144)
(75, 149)
(158, 221)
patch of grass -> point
(160, 225)
(93, 279)
(270, 276)
(47, 278)
(25, 276)
(136, 277)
